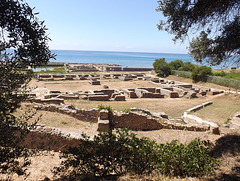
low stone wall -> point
(136, 119)
(119, 98)
(47, 138)
(234, 122)
(198, 107)
(151, 95)
(136, 69)
(48, 101)
(98, 98)
(90, 115)
(169, 93)
(189, 118)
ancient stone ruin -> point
(234, 121)
(136, 119)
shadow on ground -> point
(228, 145)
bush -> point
(108, 154)
(123, 152)
(176, 64)
(192, 160)
(109, 108)
(187, 66)
(161, 67)
(200, 73)
(220, 74)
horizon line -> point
(118, 51)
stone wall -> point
(47, 138)
(169, 93)
(189, 118)
(90, 115)
(136, 119)
(234, 122)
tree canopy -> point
(20, 31)
(217, 20)
(161, 67)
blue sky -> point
(105, 25)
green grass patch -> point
(58, 69)
(222, 108)
(63, 122)
(126, 110)
(232, 75)
(109, 108)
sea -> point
(125, 59)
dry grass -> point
(205, 84)
(223, 107)
(173, 107)
(84, 85)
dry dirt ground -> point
(223, 106)
(173, 107)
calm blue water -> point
(130, 59)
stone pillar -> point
(103, 121)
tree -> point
(21, 31)
(187, 66)
(176, 64)
(200, 73)
(161, 67)
(218, 21)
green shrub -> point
(200, 73)
(123, 152)
(184, 74)
(187, 66)
(63, 122)
(176, 64)
(126, 110)
(72, 106)
(161, 67)
(192, 160)
(220, 74)
(107, 154)
(109, 108)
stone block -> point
(156, 80)
(169, 93)
(103, 114)
(214, 92)
(158, 90)
(189, 86)
(124, 78)
(203, 93)
(68, 78)
(45, 76)
(68, 96)
(174, 95)
(192, 94)
(103, 125)
(55, 92)
(98, 98)
(58, 75)
(215, 130)
(151, 95)
(82, 78)
(94, 82)
(119, 98)
(132, 94)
